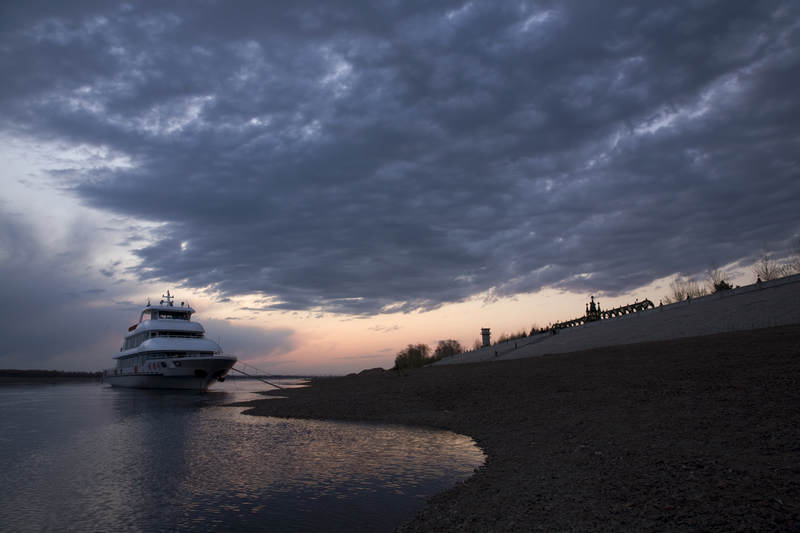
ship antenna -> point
(169, 298)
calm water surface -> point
(86, 457)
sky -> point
(327, 182)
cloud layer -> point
(59, 312)
(401, 155)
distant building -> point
(594, 313)
(486, 335)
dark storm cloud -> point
(401, 155)
(55, 316)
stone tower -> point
(486, 334)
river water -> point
(87, 457)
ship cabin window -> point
(174, 315)
(135, 340)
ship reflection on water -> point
(181, 461)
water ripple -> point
(88, 458)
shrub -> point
(413, 356)
(717, 282)
(446, 349)
(504, 337)
(722, 285)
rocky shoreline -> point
(692, 434)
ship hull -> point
(186, 373)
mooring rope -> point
(254, 376)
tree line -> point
(418, 355)
(15, 373)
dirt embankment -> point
(691, 434)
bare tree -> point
(767, 269)
(683, 289)
(794, 261)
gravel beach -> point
(693, 434)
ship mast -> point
(168, 298)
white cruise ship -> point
(166, 350)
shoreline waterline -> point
(688, 434)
